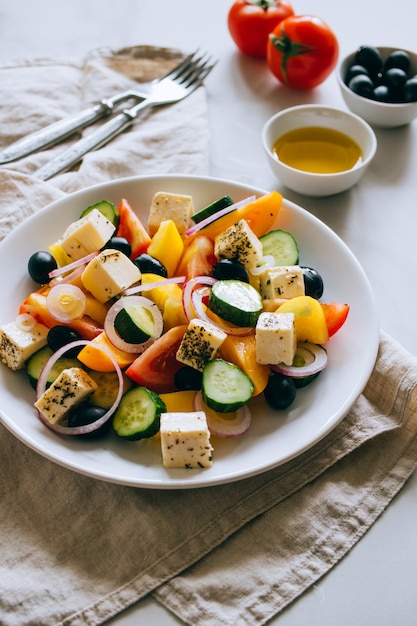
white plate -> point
(274, 437)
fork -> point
(58, 131)
(181, 83)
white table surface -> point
(375, 584)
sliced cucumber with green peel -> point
(282, 246)
(138, 414)
(35, 364)
(236, 302)
(134, 324)
(212, 209)
(225, 387)
(105, 207)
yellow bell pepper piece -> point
(241, 351)
(96, 359)
(168, 298)
(167, 245)
(310, 323)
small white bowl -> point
(308, 115)
(380, 114)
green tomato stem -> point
(289, 49)
(262, 4)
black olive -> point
(394, 78)
(59, 336)
(382, 93)
(398, 58)
(149, 265)
(313, 283)
(370, 58)
(355, 70)
(119, 243)
(280, 391)
(87, 414)
(227, 269)
(187, 378)
(362, 85)
(39, 266)
(410, 90)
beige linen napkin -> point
(76, 551)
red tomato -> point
(132, 229)
(302, 51)
(335, 314)
(251, 21)
(156, 367)
(198, 258)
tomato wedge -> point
(156, 367)
(335, 314)
(198, 258)
(132, 229)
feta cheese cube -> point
(185, 440)
(18, 344)
(239, 243)
(72, 387)
(169, 206)
(86, 235)
(199, 344)
(281, 282)
(275, 338)
(109, 273)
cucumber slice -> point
(211, 209)
(281, 245)
(236, 302)
(225, 387)
(134, 324)
(107, 388)
(35, 364)
(138, 414)
(105, 207)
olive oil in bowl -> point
(318, 150)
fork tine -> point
(178, 69)
(197, 70)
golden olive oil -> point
(318, 150)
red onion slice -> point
(175, 280)
(197, 302)
(71, 266)
(212, 218)
(42, 382)
(235, 426)
(25, 322)
(137, 301)
(312, 358)
(66, 302)
(187, 300)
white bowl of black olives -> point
(380, 85)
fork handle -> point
(52, 134)
(97, 138)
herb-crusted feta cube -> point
(87, 234)
(169, 206)
(18, 344)
(275, 338)
(239, 243)
(185, 440)
(281, 282)
(200, 344)
(72, 387)
(109, 273)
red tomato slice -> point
(132, 229)
(198, 258)
(156, 367)
(335, 314)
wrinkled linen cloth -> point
(76, 551)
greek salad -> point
(168, 329)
